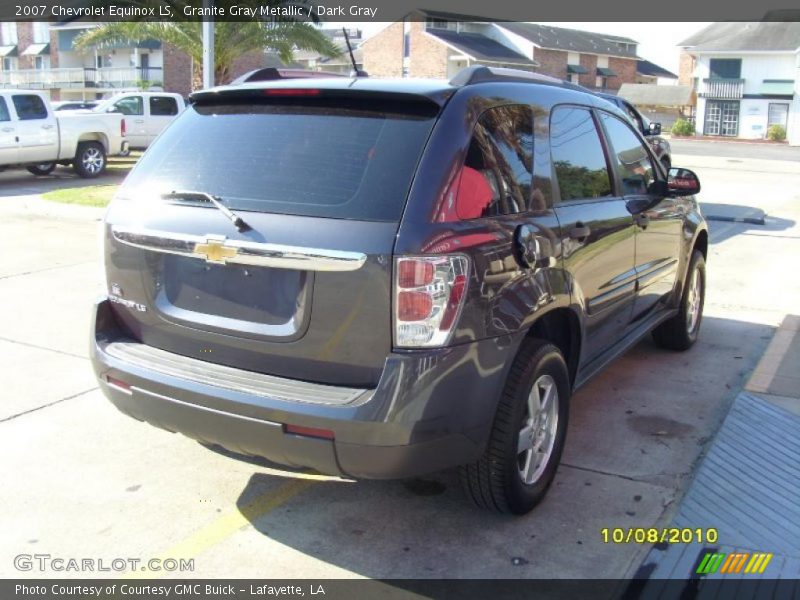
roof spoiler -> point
(275, 74)
(481, 74)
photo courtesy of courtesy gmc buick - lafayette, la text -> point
(385, 278)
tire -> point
(90, 160)
(681, 331)
(42, 168)
(125, 153)
(505, 479)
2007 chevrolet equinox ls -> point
(383, 278)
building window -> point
(9, 64)
(722, 118)
(9, 34)
(41, 32)
(41, 63)
(574, 78)
(600, 82)
(778, 114)
(725, 68)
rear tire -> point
(90, 160)
(681, 331)
(527, 436)
(42, 168)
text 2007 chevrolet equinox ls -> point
(379, 279)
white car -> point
(146, 113)
(32, 136)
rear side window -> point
(4, 116)
(163, 106)
(577, 154)
(630, 155)
(317, 159)
(131, 106)
(496, 176)
(29, 107)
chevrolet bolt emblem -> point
(214, 250)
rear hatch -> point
(302, 288)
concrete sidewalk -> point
(748, 484)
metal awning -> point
(777, 87)
(605, 72)
(577, 69)
(36, 50)
(8, 51)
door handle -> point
(8, 129)
(47, 126)
(642, 220)
(139, 121)
(580, 232)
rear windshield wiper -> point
(203, 196)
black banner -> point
(399, 589)
(388, 10)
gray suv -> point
(380, 279)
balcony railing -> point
(80, 77)
(724, 89)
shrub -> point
(776, 133)
(682, 127)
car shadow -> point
(637, 431)
(728, 220)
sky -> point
(657, 41)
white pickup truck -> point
(31, 136)
(146, 113)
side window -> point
(130, 106)
(497, 172)
(163, 106)
(29, 107)
(630, 155)
(577, 154)
(4, 116)
(634, 116)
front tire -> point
(42, 168)
(90, 160)
(681, 331)
(527, 436)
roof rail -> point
(482, 74)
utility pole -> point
(208, 45)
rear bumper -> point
(431, 410)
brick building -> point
(433, 44)
(38, 55)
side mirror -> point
(682, 182)
(654, 129)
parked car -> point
(32, 136)
(73, 105)
(651, 131)
(146, 114)
(418, 277)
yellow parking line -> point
(229, 523)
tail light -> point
(428, 294)
(122, 130)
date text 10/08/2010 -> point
(653, 535)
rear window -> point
(321, 160)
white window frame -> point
(9, 33)
(41, 32)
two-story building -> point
(747, 78)
(38, 55)
(435, 44)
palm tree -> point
(231, 39)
